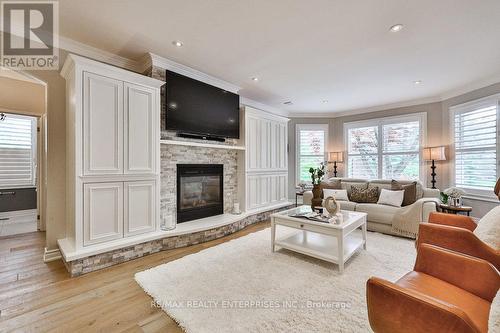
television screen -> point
(197, 108)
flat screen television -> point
(198, 109)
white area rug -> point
(240, 286)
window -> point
(311, 149)
(475, 134)
(17, 151)
(385, 148)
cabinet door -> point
(139, 207)
(102, 125)
(140, 135)
(103, 212)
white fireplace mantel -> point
(199, 144)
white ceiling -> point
(306, 51)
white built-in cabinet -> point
(266, 162)
(113, 153)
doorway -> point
(19, 181)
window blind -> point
(17, 151)
(476, 142)
(387, 148)
(311, 149)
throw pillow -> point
(331, 183)
(348, 186)
(369, 195)
(391, 198)
(337, 194)
(494, 320)
(410, 195)
(488, 228)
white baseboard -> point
(51, 255)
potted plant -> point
(316, 177)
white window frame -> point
(478, 103)
(34, 129)
(421, 117)
(313, 127)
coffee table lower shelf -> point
(322, 246)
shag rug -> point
(241, 286)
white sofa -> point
(380, 216)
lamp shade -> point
(434, 153)
(336, 156)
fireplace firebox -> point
(199, 191)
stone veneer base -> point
(107, 259)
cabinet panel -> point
(102, 125)
(139, 129)
(103, 212)
(139, 207)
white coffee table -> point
(335, 243)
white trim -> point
(200, 144)
(88, 51)
(258, 105)
(69, 252)
(298, 128)
(421, 117)
(51, 255)
(473, 194)
(173, 66)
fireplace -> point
(199, 191)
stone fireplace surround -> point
(171, 155)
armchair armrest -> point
(394, 309)
(457, 239)
(453, 220)
(431, 192)
(459, 269)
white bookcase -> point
(266, 159)
(113, 153)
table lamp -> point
(434, 154)
(335, 157)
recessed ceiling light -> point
(324, 101)
(396, 28)
(255, 79)
(417, 82)
(177, 43)
(288, 103)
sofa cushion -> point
(378, 213)
(332, 183)
(488, 229)
(410, 194)
(347, 205)
(391, 198)
(368, 195)
(337, 194)
(348, 185)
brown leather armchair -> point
(454, 232)
(446, 292)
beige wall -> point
(438, 133)
(22, 97)
(55, 221)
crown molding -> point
(336, 114)
(471, 87)
(97, 54)
(173, 66)
(263, 107)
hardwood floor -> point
(41, 297)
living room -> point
(219, 166)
